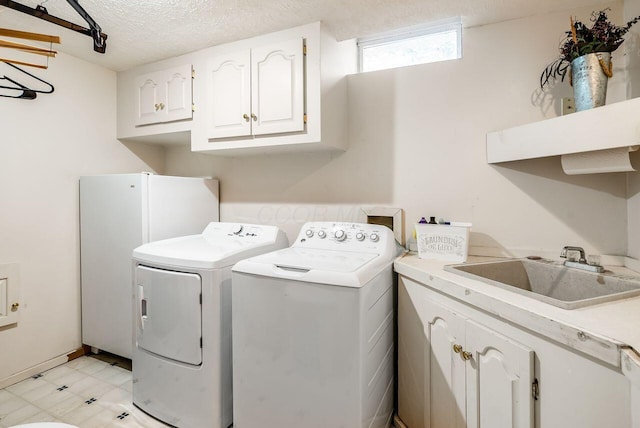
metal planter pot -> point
(589, 75)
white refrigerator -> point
(117, 214)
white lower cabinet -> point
(461, 367)
(476, 377)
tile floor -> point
(85, 392)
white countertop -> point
(608, 331)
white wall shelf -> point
(613, 126)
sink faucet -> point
(564, 251)
(582, 262)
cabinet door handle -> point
(161, 106)
(245, 117)
(157, 106)
(254, 117)
(466, 355)
(457, 348)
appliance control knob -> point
(339, 234)
(309, 233)
(374, 237)
(237, 229)
(322, 234)
(360, 236)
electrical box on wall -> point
(9, 294)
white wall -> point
(46, 145)
(632, 45)
(417, 141)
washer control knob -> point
(322, 234)
(309, 233)
(339, 234)
(237, 229)
(360, 236)
(374, 237)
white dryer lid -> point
(220, 245)
(342, 268)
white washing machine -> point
(182, 312)
(313, 331)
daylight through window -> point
(411, 46)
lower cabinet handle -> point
(466, 355)
(457, 348)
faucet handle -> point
(583, 258)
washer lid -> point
(348, 269)
(220, 245)
(312, 259)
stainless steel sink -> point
(550, 282)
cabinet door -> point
(178, 94)
(445, 382)
(499, 379)
(149, 96)
(164, 96)
(277, 93)
(229, 95)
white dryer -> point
(182, 312)
(313, 331)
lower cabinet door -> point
(499, 376)
(474, 377)
(445, 373)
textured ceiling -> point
(143, 31)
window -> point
(410, 46)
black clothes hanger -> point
(95, 32)
(27, 93)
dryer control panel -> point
(346, 237)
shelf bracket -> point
(95, 32)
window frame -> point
(401, 34)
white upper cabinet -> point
(155, 102)
(283, 91)
(164, 96)
(229, 95)
(277, 87)
(256, 91)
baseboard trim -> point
(42, 367)
(32, 371)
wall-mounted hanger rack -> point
(15, 34)
(27, 48)
(95, 32)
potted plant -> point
(587, 51)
